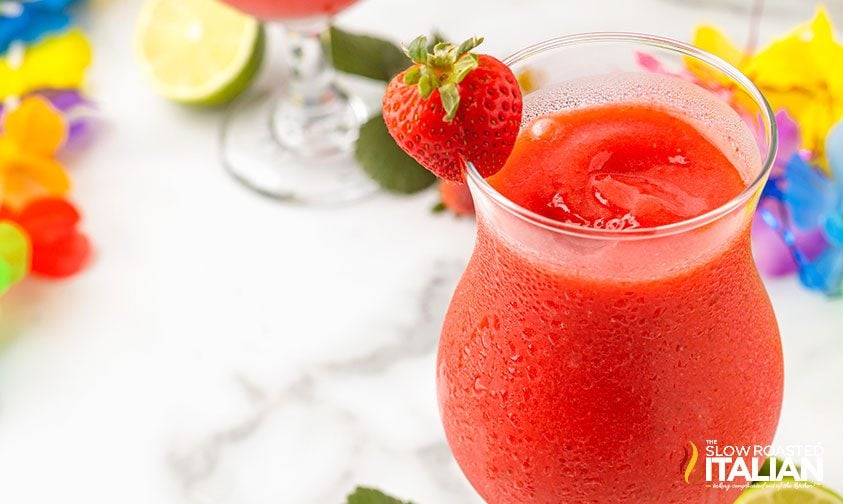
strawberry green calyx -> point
(442, 69)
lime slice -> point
(199, 52)
(788, 492)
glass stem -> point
(313, 117)
(309, 57)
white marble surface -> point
(223, 349)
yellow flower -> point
(709, 38)
(801, 72)
(31, 135)
(58, 61)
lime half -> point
(788, 492)
(198, 52)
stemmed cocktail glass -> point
(294, 142)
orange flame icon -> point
(692, 462)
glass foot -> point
(298, 155)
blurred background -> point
(222, 348)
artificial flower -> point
(59, 250)
(810, 194)
(28, 21)
(31, 135)
(773, 255)
(800, 72)
(58, 61)
(774, 241)
(834, 150)
(73, 105)
(710, 39)
(692, 72)
(790, 139)
(825, 273)
(815, 202)
(14, 255)
(76, 109)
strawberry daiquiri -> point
(275, 10)
(559, 385)
(620, 165)
(611, 321)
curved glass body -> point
(579, 364)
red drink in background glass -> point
(276, 10)
(611, 314)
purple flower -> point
(776, 246)
(772, 253)
(789, 138)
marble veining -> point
(196, 466)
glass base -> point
(296, 154)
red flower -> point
(59, 250)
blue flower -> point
(825, 274)
(779, 248)
(817, 201)
(808, 192)
(28, 21)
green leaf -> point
(388, 165)
(363, 495)
(438, 208)
(435, 38)
(417, 50)
(441, 49)
(450, 100)
(468, 45)
(464, 66)
(426, 85)
(366, 56)
(412, 76)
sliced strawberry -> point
(453, 107)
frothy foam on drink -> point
(627, 221)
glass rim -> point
(668, 44)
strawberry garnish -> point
(453, 106)
(456, 197)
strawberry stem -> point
(450, 100)
(417, 50)
(443, 68)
